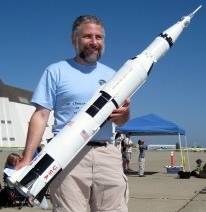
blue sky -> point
(36, 33)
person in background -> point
(95, 176)
(10, 193)
(199, 168)
(141, 160)
(118, 140)
(13, 159)
(127, 153)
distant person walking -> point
(142, 147)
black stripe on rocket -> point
(37, 170)
(99, 104)
(167, 38)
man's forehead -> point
(91, 28)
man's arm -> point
(36, 130)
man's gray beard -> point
(89, 58)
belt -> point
(96, 143)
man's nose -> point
(93, 39)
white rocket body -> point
(32, 179)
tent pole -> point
(188, 159)
(181, 151)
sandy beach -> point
(158, 191)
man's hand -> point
(21, 164)
(122, 114)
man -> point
(127, 153)
(95, 176)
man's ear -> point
(73, 40)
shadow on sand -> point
(136, 173)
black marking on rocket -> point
(99, 104)
(133, 58)
(38, 169)
(115, 103)
(150, 69)
(168, 39)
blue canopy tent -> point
(151, 124)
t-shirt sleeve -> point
(44, 94)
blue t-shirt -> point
(142, 149)
(66, 86)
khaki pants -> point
(141, 166)
(96, 178)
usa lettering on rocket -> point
(34, 178)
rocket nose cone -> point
(197, 9)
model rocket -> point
(32, 180)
